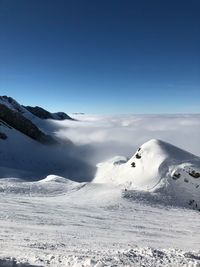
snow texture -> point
(55, 222)
(156, 167)
(137, 211)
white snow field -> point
(56, 222)
(139, 210)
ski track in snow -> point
(92, 225)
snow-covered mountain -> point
(31, 121)
(18, 117)
(29, 149)
(29, 111)
(15, 119)
(156, 167)
(130, 214)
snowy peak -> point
(142, 170)
(155, 166)
(29, 111)
(157, 155)
(160, 148)
(26, 119)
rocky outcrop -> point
(61, 116)
(16, 120)
(39, 112)
(36, 111)
(44, 114)
(11, 103)
(3, 136)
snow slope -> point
(14, 105)
(156, 167)
(32, 113)
(23, 157)
(52, 185)
(56, 222)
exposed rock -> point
(194, 174)
(11, 103)
(3, 136)
(5, 124)
(138, 156)
(133, 164)
(44, 114)
(61, 116)
(24, 125)
(176, 176)
(39, 112)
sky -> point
(102, 56)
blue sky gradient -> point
(102, 56)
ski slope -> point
(57, 222)
(137, 211)
(134, 212)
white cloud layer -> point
(121, 135)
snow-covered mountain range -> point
(24, 119)
(26, 152)
(137, 211)
(29, 148)
(29, 111)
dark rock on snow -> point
(19, 122)
(44, 114)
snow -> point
(15, 106)
(156, 166)
(22, 157)
(92, 224)
(142, 215)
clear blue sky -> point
(102, 56)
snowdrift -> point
(156, 167)
(50, 186)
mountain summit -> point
(36, 111)
(24, 119)
(156, 166)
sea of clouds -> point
(105, 136)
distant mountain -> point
(13, 115)
(12, 104)
(36, 111)
(156, 167)
(24, 119)
(30, 149)
(19, 122)
(44, 114)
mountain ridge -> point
(21, 118)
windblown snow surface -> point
(137, 211)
